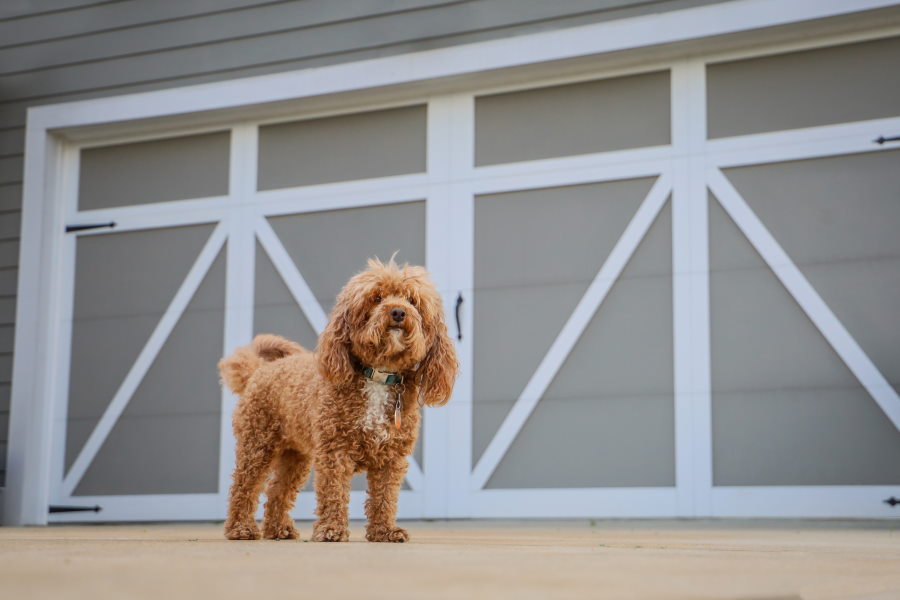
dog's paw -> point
(280, 531)
(326, 533)
(397, 535)
(242, 531)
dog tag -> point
(398, 409)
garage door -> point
(674, 290)
(172, 264)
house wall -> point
(61, 50)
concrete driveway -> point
(463, 559)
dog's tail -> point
(237, 369)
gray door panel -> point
(123, 284)
(179, 168)
(536, 252)
(837, 219)
(786, 410)
(831, 85)
(167, 439)
(578, 118)
(342, 148)
(607, 418)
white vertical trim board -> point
(27, 492)
(68, 193)
(690, 287)
(436, 430)
(240, 278)
(63, 359)
(460, 137)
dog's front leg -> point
(381, 505)
(333, 474)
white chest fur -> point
(379, 408)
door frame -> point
(55, 132)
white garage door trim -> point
(48, 176)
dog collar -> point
(386, 377)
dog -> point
(352, 406)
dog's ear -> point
(334, 345)
(437, 372)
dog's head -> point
(390, 317)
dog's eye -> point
(376, 299)
(411, 300)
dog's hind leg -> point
(333, 474)
(254, 456)
(291, 471)
(381, 505)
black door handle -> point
(459, 301)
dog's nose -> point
(398, 314)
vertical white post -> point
(462, 223)
(690, 265)
(62, 359)
(447, 450)
(438, 239)
(27, 493)
(240, 273)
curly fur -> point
(300, 409)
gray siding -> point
(60, 50)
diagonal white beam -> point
(598, 289)
(291, 276)
(148, 354)
(806, 296)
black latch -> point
(881, 139)
(71, 228)
(62, 509)
(892, 501)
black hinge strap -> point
(71, 228)
(881, 140)
(61, 509)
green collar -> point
(386, 377)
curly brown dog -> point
(351, 406)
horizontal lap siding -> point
(62, 50)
